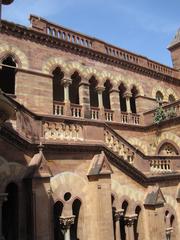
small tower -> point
(174, 48)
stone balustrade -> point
(76, 110)
(108, 115)
(58, 108)
(94, 113)
(62, 131)
(160, 166)
(118, 147)
(130, 118)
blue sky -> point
(141, 26)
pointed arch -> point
(52, 63)
(16, 53)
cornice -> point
(53, 42)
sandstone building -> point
(89, 138)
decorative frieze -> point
(62, 131)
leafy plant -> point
(159, 115)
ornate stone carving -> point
(66, 221)
(62, 131)
(118, 147)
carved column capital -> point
(127, 94)
(169, 230)
(66, 221)
(100, 89)
(130, 219)
(118, 214)
(66, 81)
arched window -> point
(58, 207)
(171, 98)
(122, 221)
(133, 99)
(122, 90)
(76, 228)
(159, 97)
(167, 149)
(7, 75)
(10, 213)
(74, 88)
(138, 224)
(106, 97)
(93, 92)
(58, 89)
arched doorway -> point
(7, 75)
(74, 88)
(10, 213)
(58, 234)
(93, 92)
(106, 97)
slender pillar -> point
(66, 83)
(130, 220)
(117, 216)
(3, 198)
(169, 233)
(66, 223)
(128, 95)
(100, 90)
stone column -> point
(115, 103)
(130, 220)
(66, 223)
(3, 198)
(117, 216)
(100, 90)
(66, 83)
(128, 95)
(84, 99)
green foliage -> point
(171, 113)
(159, 115)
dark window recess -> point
(58, 89)
(7, 76)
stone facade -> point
(81, 156)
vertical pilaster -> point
(84, 99)
(3, 198)
(115, 103)
(128, 95)
(100, 90)
(66, 83)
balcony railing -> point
(58, 108)
(108, 115)
(160, 166)
(130, 118)
(76, 110)
(94, 113)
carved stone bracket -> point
(66, 221)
